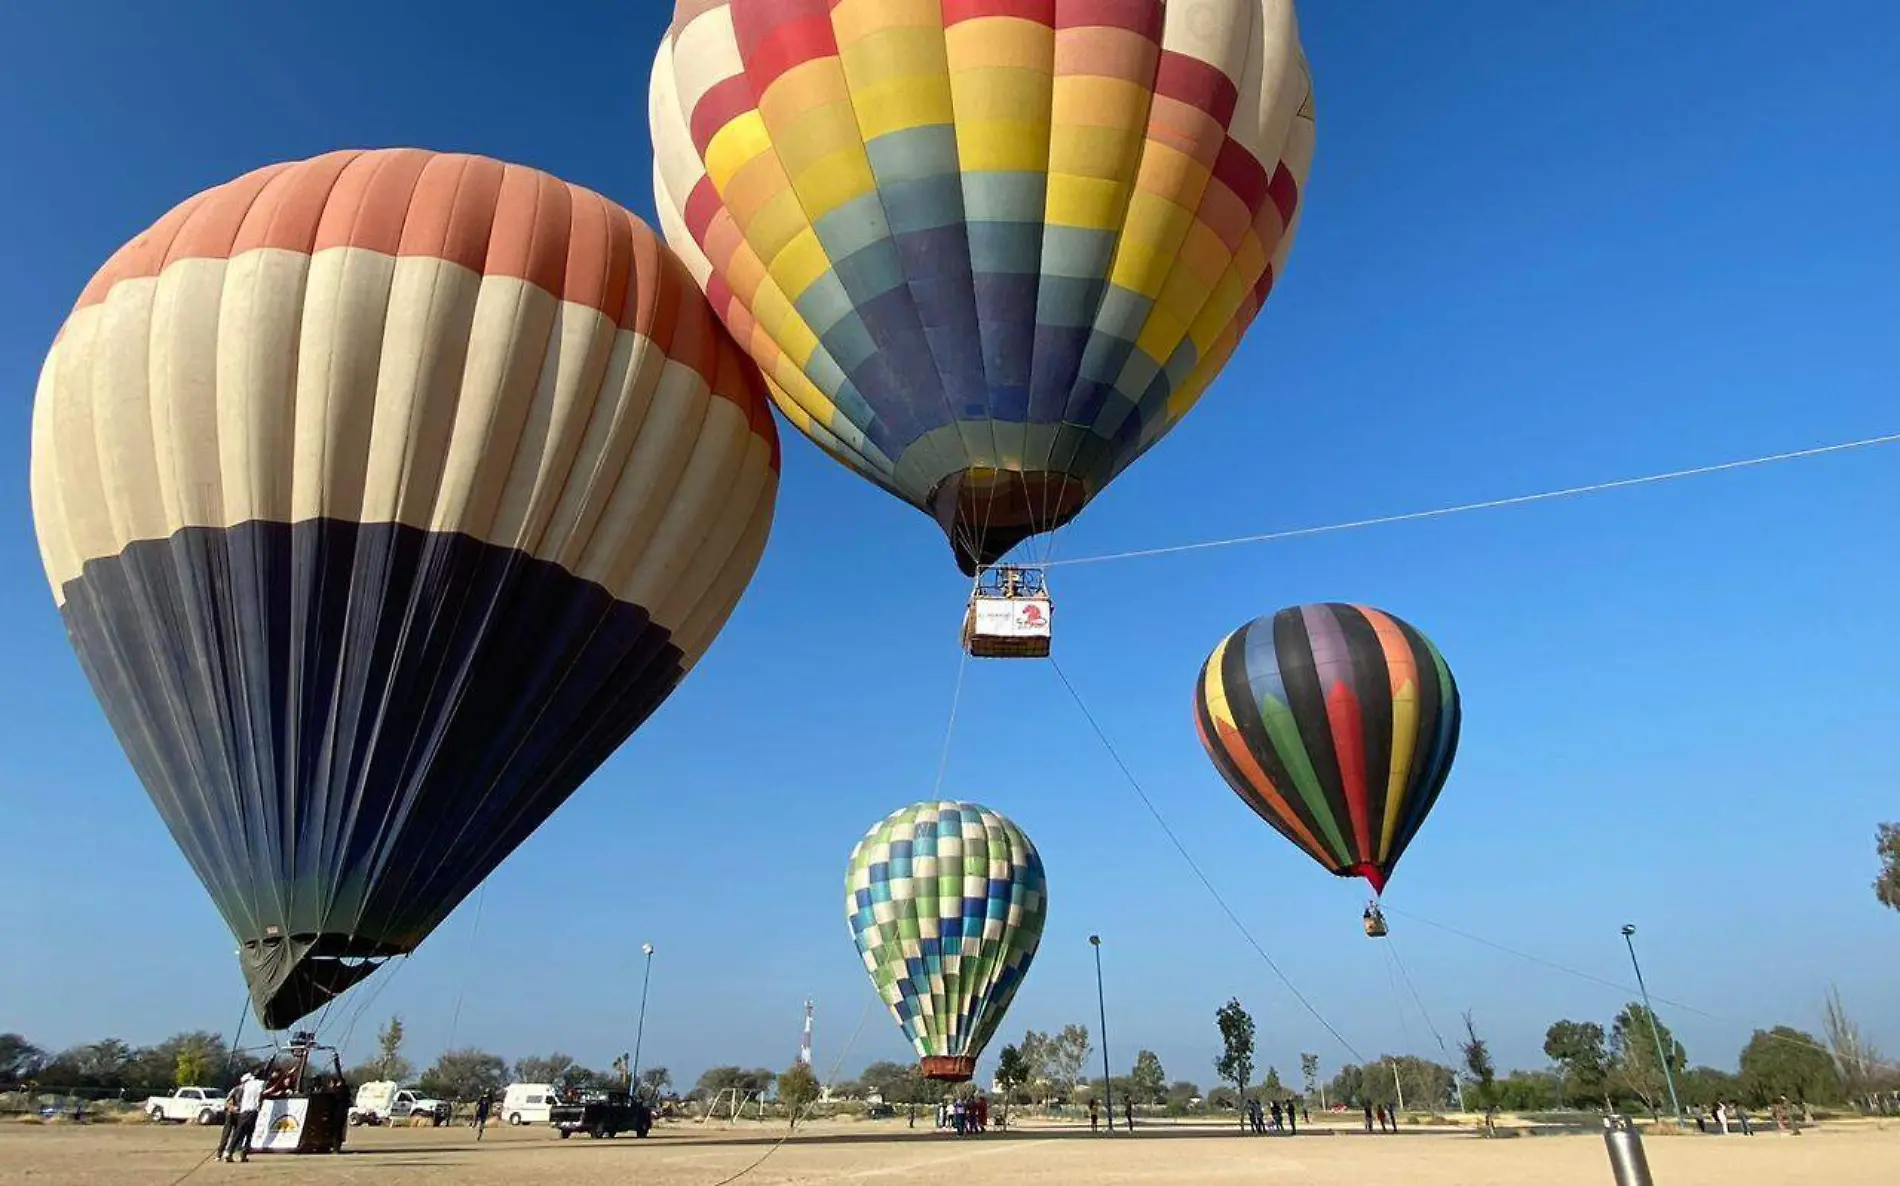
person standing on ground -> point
(1741, 1114)
(1128, 1113)
(482, 1106)
(250, 1101)
(1273, 1124)
(1095, 1118)
(1292, 1121)
(227, 1136)
(1368, 1115)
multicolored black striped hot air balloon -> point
(987, 252)
(946, 903)
(384, 494)
(1337, 724)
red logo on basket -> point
(1032, 615)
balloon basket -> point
(960, 1069)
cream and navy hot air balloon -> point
(987, 252)
(946, 902)
(383, 495)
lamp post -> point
(1669, 1077)
(640, 1030)
(1101, 1005)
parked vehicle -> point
(527, 1103)
(383, 1101)
(600, 1114)
(187, 1105)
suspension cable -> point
(1488, 504)
(1232, 917)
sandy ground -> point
(886, 1152)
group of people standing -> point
(241, 1106)
(1095, 1116)
(964, 1117)
(1279, 1116)
(1387, 1118)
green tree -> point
(390, 1064)
(1270, 1086)
(1309, 1074)
(1067, 1055)
(19, 1058)
(1530, 1091)
(1633, 1062)
(1235, 1064)
(1012, 1072)
(1349, 1085)
(1148, 1081)
(1580, 1050)
(1887, 846)
(1481, 1074)
(889, 1080)
(1704, 1087)
(797, 1090)
(1786, 1061)
(654, 1081)
(1035, 1051)
(544, 1068)
(1182, 1097)
(197, 1059)
(465, 1074)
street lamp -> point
(1108, 1088)
(640, 1031)
(1629, 932)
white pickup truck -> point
(187, 1105)
(383, 1101)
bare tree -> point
(1887, 885)
(1856, 1058)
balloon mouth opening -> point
(292, 976)
(1372, 873)
(986, 511)
(949, 1069)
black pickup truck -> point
(599, 1114)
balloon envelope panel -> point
(987, 252)
(1337, 724)
(384, 494)
(946, 902)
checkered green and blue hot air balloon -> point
(946, 903)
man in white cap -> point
(250, 1101)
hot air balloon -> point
(987, 252)
(383, 495)
(946, 903)
(1337, 724)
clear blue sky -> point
(1542, 247)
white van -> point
(527, 1103)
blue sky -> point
(1539, 250)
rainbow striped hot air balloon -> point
(1337, 724)
(987, 252)
(946, 903)
(383, 495)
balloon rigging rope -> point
(1246, 934)
(1489, 504)
(1621, 988)
(863, 1015)
(1398, 963)
(455, 1019)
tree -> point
(390, 1064)
(1704, 1087)
(197, 1059)
(1068, 1053)
(19, 1058)
(1183, 1096)
(1855, 1057)
(746, 1082)
(465, 1074)
(797, 1089)
(656, 1080)
(1149, 1083)
(1271, 1087)
(1634, 1067)
(1785, 1061)
(1349, 1085)
(1529, 1091)
(1579, 1050)
(889, 1080)
(1309, 1074)
(1235, 1064)
(1887, 846)
(1035, 1051)
(546, 1068)
(1012, 1071)
(1481, 1074)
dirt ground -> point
(885, 1151)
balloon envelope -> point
(1337, 724)
(946, 903)
(384, 494)
(987, 252)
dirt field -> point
(690, 1155)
